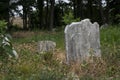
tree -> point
(107, 11)
(115, 11)
(27, 8)
(47, 15)
(40, 5)
(52, 2)
(79, 11)
(24, 5)
(4, 10)
(101, 11)
(90, 9)
(61, 8)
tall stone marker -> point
(82, 41)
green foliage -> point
(6, 48)
(117, 17)
(110, 45)
(69, 18)
(2, 26)
(110, 35)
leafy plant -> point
(69, 18)
(3, 26)
(6, 48)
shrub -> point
(69, 18)
(2, 26)
(6, 48)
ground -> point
(32, 65)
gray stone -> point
(82, 40)
(46, 46)
(104, 26)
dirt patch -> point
(32, 47)
(58, 54)
(22, 34)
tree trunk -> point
(24, 18)
(90, 13)
(47, 16)
(52, 14)
(79, 9)
(74, 6)
(8, 16)
(101, 11)
(4, 10)
(107, 12)
(40, 4)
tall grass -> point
(58, 37)
(110, 46)
(48, 66)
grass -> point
(28, 37)
(32, 65)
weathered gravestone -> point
(46, 46)
(82, 41)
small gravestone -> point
(82, 41)
(104, 26)
(46, 46)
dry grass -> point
(94, 69)
(32, 64)
(60, 55)
(22, 34)
(98, 67)
(26, 46)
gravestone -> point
(104, 26)
(82, 41)
(46, 46)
